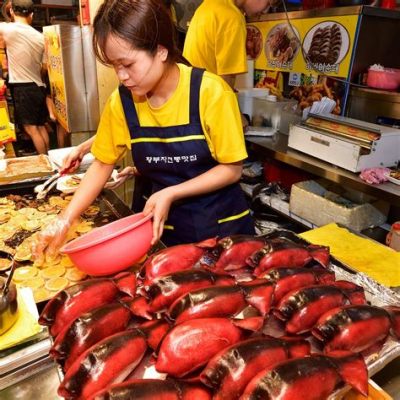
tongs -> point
(45, 187)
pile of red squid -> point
(289, 331)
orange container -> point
(112, 247)
(374, 393)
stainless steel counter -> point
(40, 384)
(276, 147)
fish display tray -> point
(376, 294)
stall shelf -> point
(276, 147)
(367, 36)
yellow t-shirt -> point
(219, 115)
(216, 38)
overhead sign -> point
(305, 45)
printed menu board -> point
(56, 74)
(306, 45)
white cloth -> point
(25, 52)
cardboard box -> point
(321, 203)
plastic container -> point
(268, 111)
(112, 247)
(246, 96)
(387, 78)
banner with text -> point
(306, 45)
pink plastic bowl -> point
(112, 247)
(388, 79)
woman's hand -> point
(159, 204)
(50, 239)
(122, 176)
(73, 160)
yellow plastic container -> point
(374, 393)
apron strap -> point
(195, 83)
(129, 108)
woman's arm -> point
(92, 183)
(160, 202)
(53, 236)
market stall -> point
(236, 288)
(277, 315)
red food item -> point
(87, 330)
(167, 288)
(191, 344)
(231, 252)
(154, 389)
(288, 279)
(282, 253)
(355, 328)
(70, 303)
(222, 301)
(313, 378)
(301, 308)
(229, 371)
(175, 258)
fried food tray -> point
(108, 207)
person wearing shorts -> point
(25, 54)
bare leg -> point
(63, 137)
(50, 108)
(40, 139)
(45, 136)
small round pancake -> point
(56, 284)
(5, 264)
(66, 261)
(33, 283)
(24, 273)
(84, 227)
(31, 225)
(41, 294)
(91, 211)
(54, 271)
(54, 260)
(47, 208)
(27, 211)
(4, 217)
(56, 200)
(23, 253)
(75, 275)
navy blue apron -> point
(174, 154)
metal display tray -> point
(376, 294)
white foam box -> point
(321, 202)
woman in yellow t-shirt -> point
(182, 125)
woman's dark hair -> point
(143, 23)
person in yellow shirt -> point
(182, 125)
(216, 37)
